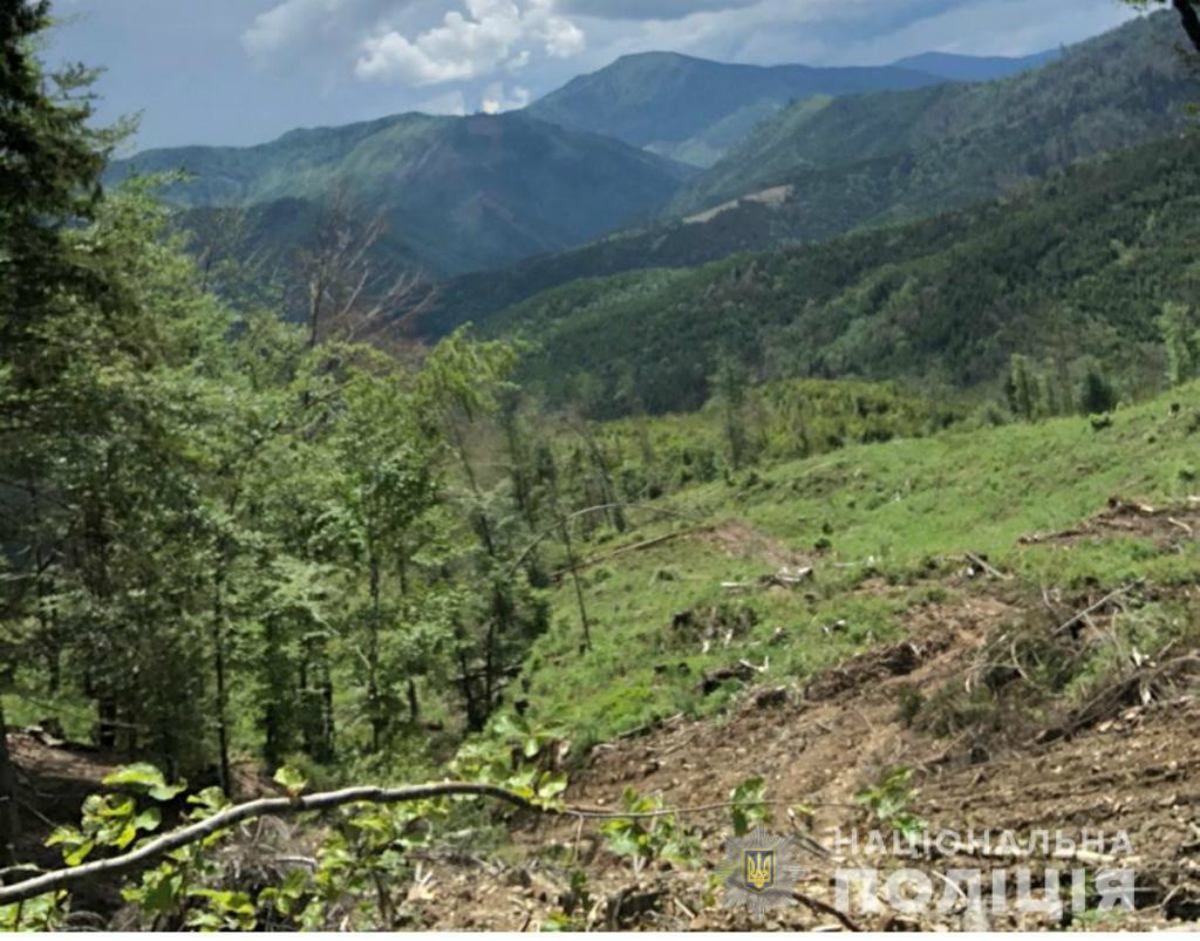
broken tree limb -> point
(1103, 602)
(1180, 524)
(983, 566)
(156, 848)
(784, 578)
(604, 507)
(152, 850)
(787, 578)
(635, 547)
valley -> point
(706, 495)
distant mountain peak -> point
(967, 68)
(693, 109)
(464, 193)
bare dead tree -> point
(347, 293)
(231, 260)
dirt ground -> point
(817, 747)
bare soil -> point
(818, 747)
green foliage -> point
(749, 808)
(646, 839)
(44, 913)
(1096, 393)
(291, 781)
(228, 540)
(890, 155)
(1180, 329)
(114, 821)
(1072, 268)
(145, 779)
(889, 802)
(518, 755)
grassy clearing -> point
(884, 526)
(900, 513)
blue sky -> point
(245, 71)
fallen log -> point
(635, 547)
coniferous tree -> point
(50, 164)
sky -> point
(237, 72)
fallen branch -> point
(824, 908)
(1103, 602)
(1180, 524)
(152, 850)
(983, 566)
(177, 839)
(635, 547)
(661, 511)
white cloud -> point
(470, 43)
(496, 99)
(290, 22)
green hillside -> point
(694, 110)
(941, 146)
(885, 526)
(1077, 266)
(880, 158)
(463, 193)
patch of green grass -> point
(900, 514)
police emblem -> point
(758, 871)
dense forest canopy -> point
(1068, 273)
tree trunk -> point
(273, 719)
(414, 704)
(8, 800)
(218, 640)
(573, 564)
(375, 708)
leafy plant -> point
(651, 836)
(890, 801)
(749, 808)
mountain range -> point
(858, 203)
(960, 68)
(459, 193)
(1075, 267)
(694, 110)
(824, 167)
(483, 192)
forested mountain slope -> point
(694, 109)
(462, 193)
(900, 151)
(959, 68)
(1076, 266)
(881, 158)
